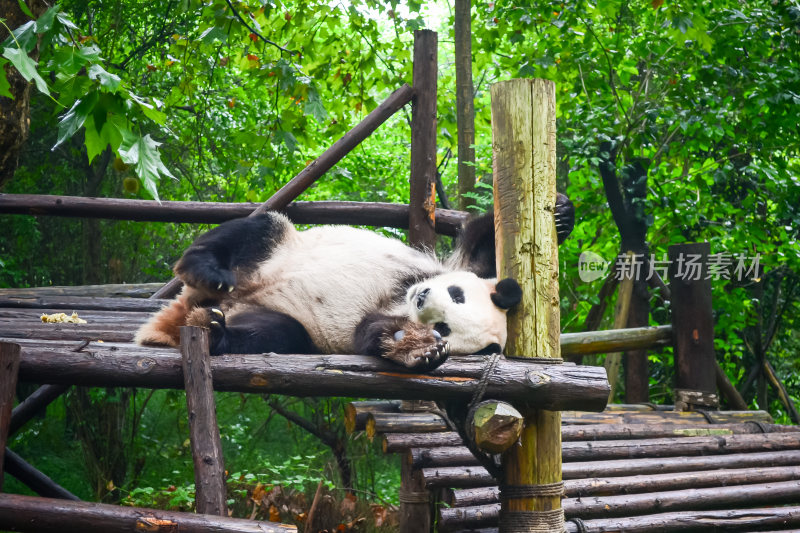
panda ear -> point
(507, 293)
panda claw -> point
(215, 324)
(217, 312)
(219, 287)
(230, 289)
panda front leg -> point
(256, 330)
(401, 341)
(214, 259)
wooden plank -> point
(9, 368)
(209, 468)
(612, 340)
(47, 515)
(109, 290)
(422, 199)
(80, 302)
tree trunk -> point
(15, 114)
(465, 109)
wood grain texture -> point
(524, 164)
(9, 369)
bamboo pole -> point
(209, 470)
(524, 165)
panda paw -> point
(214, 279)
(213, 319)
(416, 347)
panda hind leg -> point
(398, 339)
(252, 331)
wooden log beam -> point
(9, 368)
(582, 488)
(29, 329)
(380, 423)
(48, 515)
(494, 426)
(106, 364)
(592, 342)
(628, 449)
(109, 290)
(381, 214)
(524, 170)
(34, 479)
(422, 196)
(33, 404)
(666, 417)
(402, 442)
(637, 504)
(78, 302)
(460, 476)
(209, 468)
(356, 413)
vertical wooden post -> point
(415, 499)
(422, 199)
(524, 163)
(465, 106)
(9, 368)
(209, 470)
(692, 326)
(621, 311)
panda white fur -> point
(261, 285)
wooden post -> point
(613, 361)
(9, 368)
(692, 326)
(415, 500)
(421, 233)
(524, 163)
(209, 471)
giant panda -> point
(261, 285)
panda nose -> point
(421, 297)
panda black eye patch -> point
(456, 294)
(442, 328)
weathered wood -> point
(415, 501)
(651, 483)
(613, 361)
(107, 364)
(33, 315)
(592, 342)
(47, 515)
(209, 468)
(620, 506)
(666, 417)
(33, 479)
(356, 413)
(379, 214)
(651, 431)
(378, 423)
(495, 426)
(320, 165)
(692, 317)
(524, 169)
(33, 404)
(79, 302)
(401, 442)
(9, 368)
(730, 520)
(465, 104)
(110, 290)
(726, 389)
(635, 362)
(476, 476)
(422, 201)
(30, 329)
(630, 449)
(630, 467)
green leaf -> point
(142, 154)
(4, 85)
(64, 19)
(23, 37)
(45, 22)
(27, 67)
(107, 80)
(92, 139)
(75, 117)
(24, 8)
(90, 53)
(315, 108)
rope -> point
(411, 496)
(579, 524)
(760, 425)
(488, 370)
(518, 492)
(529, 521)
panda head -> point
(469, 312)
